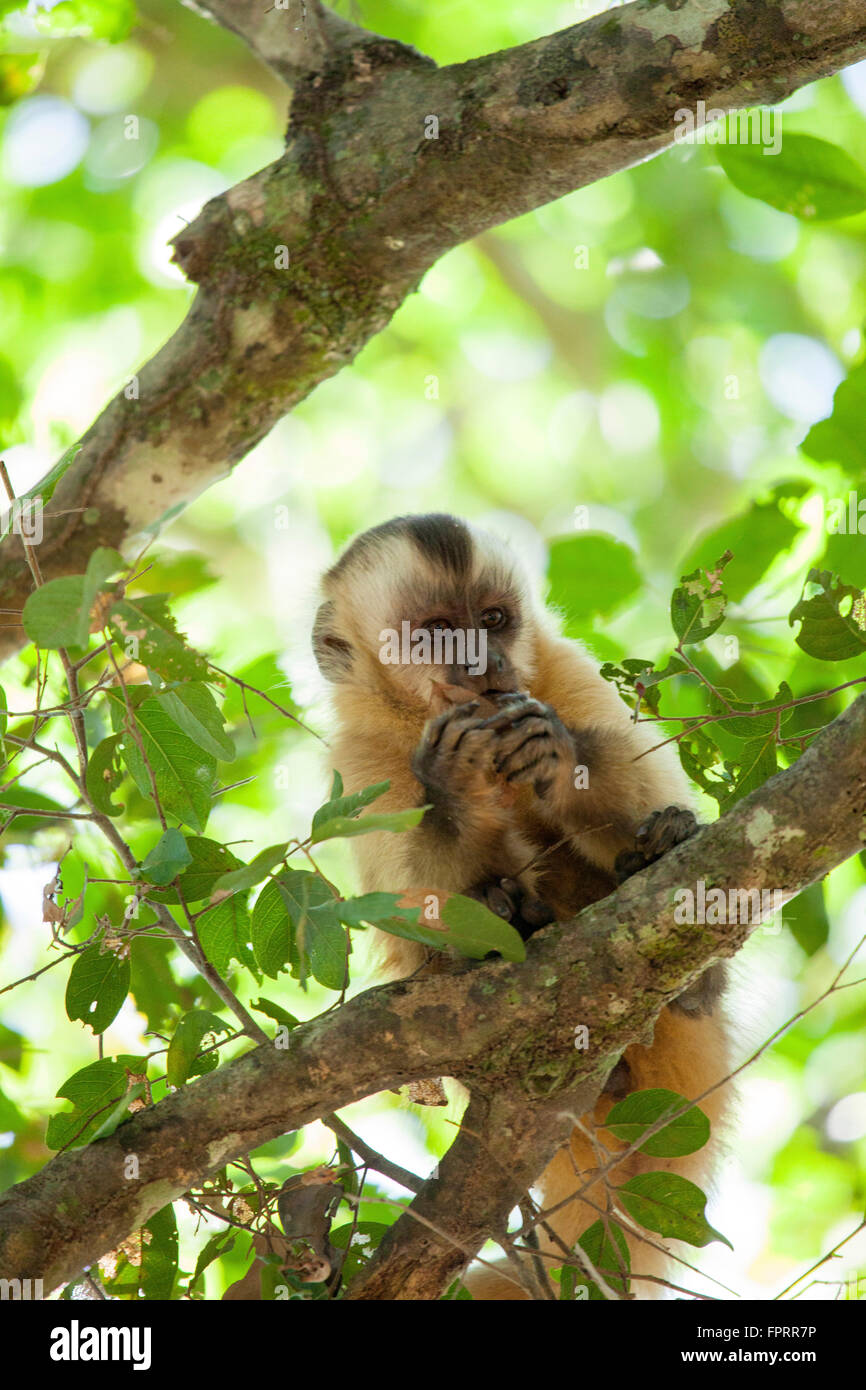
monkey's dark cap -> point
(443, 539)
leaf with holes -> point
(98, 984)
(147, 632)
(104, 776)
(185, 1046)
(698, 605)
(833, 618)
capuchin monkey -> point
(540, 802)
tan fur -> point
(381, 713)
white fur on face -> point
(395, 582)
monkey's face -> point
(425, 612)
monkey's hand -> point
(532, 744)
(454, 762)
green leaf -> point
(670, 1205)
(365, 1237)
(345, 827)
(45, 488)
(339, 807)
(840, 438)
(167, 859)
(698, 605)
(103, 776)
(758, 763)
(636, 679)
(25, 825)
(11, 396)
(370, 907)
(751, 724)
(183, 773)
(271, 931)
(146, 630)
(186, 1043)
(275, 1011)
(224, 933)
(246, 876)
(701, 760)
(118, 1112)
(11, 1047)
(52, 613)
(98, 984)
(159, 1256)
(93, 1091)
(810, 178)
(209, 862)
(102, 564)
(629, 1118)
(194, 709)
(221, 1244)
(316, 927)
(833, 619)
(608, 1250)
(4, 711)
(467, 925)
(591, 575)
(281, 907)
(806, 917)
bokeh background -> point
(639, 361)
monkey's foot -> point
(660, 832)
(507, 899)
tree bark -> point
(506, 1031)
(365, 200)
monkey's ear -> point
(333, 653)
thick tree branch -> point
(390, 163)
(293, 37)
(507, 1031)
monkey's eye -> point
(438, 625)
(492, 618)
